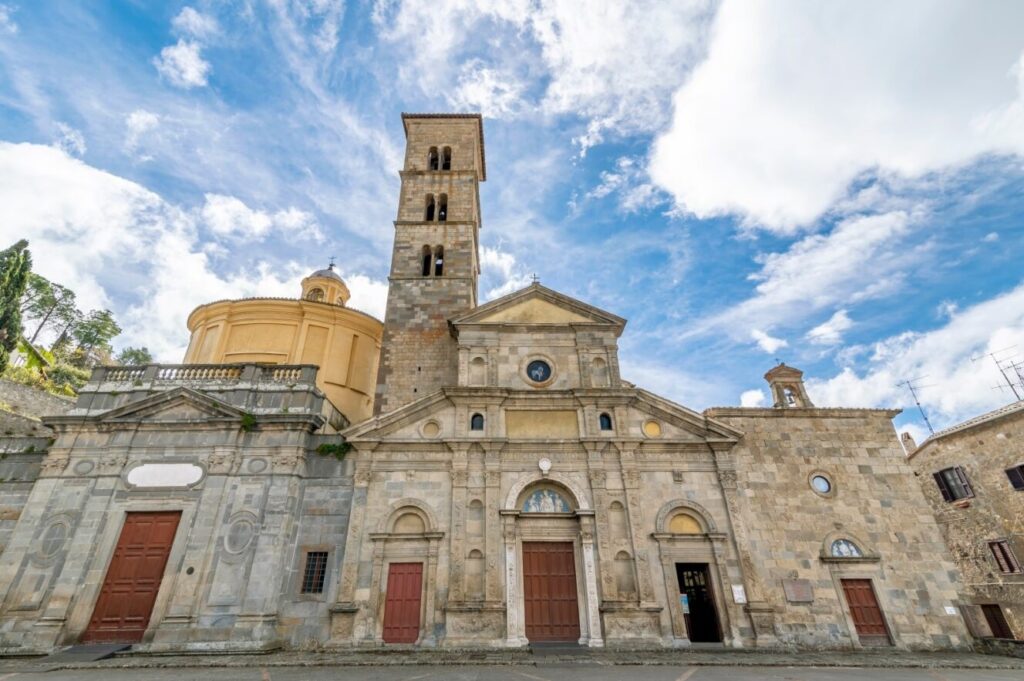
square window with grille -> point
(315, 573)
(1016, 476)
(1003, 554)
(953, 484)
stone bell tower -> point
(787, 386)
(435, 260)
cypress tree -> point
(15, 265)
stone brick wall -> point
(784, 528)
(417, 353)
(28, 401)
(995, 512)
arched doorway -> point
(551, 587)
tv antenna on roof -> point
(913, 392)
(1002, 364)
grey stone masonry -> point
(236, 450)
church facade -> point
(509, 487)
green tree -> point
(50, 306)
(15, 265)
(134, 356)
(92, 336)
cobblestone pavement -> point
(540, 672)
(556, 665)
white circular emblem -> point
(544, 465)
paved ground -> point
(522, 665)
(541, 672)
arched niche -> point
(402, 508)
(684, 507)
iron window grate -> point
(315, 573)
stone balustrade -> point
(185, 374)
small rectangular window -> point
(1004, 557)
(953, 484)
(315, 573)
(1016, 476)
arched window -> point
(315, 294)
(789, 396)
(439, 261)
(429, 213)
(427, 260)
(476, 422)
(432, 159)
(442, 208)
(446, 163)
(606, 422)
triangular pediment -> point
(407, 422)
(540, 306)
(177, 405)
(681, 423)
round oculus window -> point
(538, 371)
(821, 484)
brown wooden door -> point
(402, 604)
(867, 616)
(997, 621)
(549, 591)
(126, 599)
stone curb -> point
(477, 658)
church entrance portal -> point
(549, 585)
(698, 602)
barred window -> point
(1016, 476)
(315, 573)
(1004, 557)
(953, 484)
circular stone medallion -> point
(538, 371)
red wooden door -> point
(549, 591)
(126, 599)
(402, 604)
(867, 616)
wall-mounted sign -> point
(739, 594)
(950, 610)
(798, 590)
(684, 603)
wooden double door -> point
(865, 611)
(130, 587)
(549, 592)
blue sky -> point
(837, 185)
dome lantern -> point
(326, 286)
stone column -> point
(598, 486)
(344, 609)
(492, 526)
(635, 515)
(457, 539)
(515, 624)
(590, 578)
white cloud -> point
(228, 216)
(492, 93)
(69, 140)
(797, 99)
(947, 308)
(119, 245)
(629, 181)
(191, 22)
(501, 272)
(138, 123)
(860, 259)
(767, 343)
(991, 237)
(954, 387)
(183, 65)
(7, 24)
(614, 64)
(831, 332)
(752, 398)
